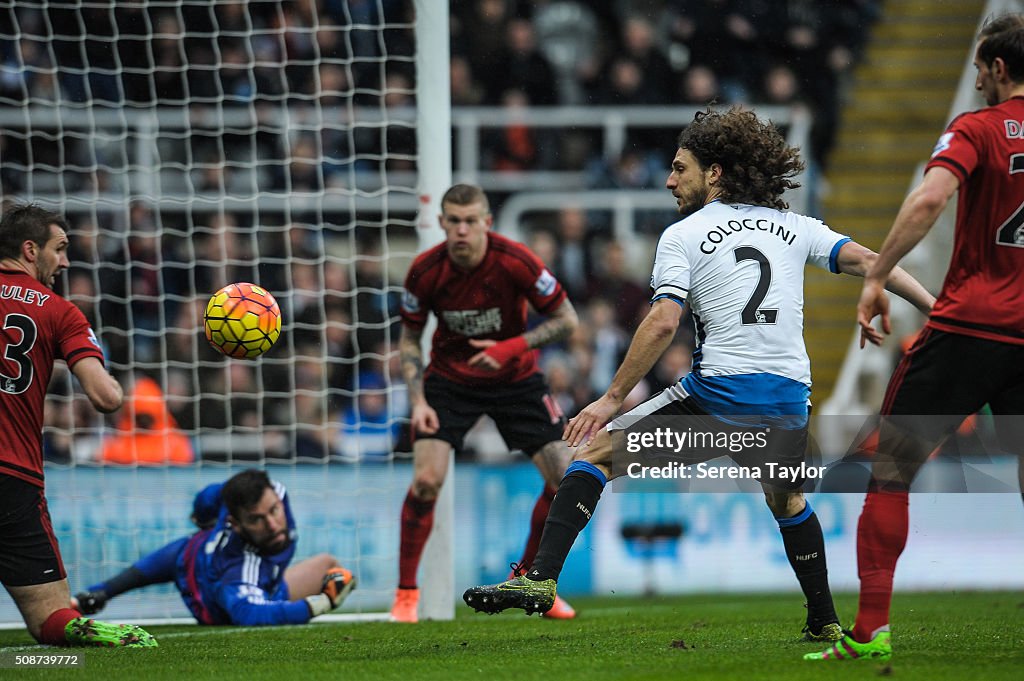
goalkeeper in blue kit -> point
(236, 568)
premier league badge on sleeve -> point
(546, 283)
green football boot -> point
(85, 631)
(879, 648)
(519, 592)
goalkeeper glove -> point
(336, 586)
(89, 602)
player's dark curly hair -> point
(244, 490)
(757, 164)
(26, 222)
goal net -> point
(193, 144)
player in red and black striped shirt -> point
(971, 352)
(37, 327)
(478, 284)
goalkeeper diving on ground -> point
(236, 568)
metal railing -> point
(136, 132)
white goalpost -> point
(302, 146)
(435, 147)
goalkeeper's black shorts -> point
(28, 546)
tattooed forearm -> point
(558, 326)
(411, 356)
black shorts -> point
(949, 376)
(28, 546)
(526, 415)
(672, 410)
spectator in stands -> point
(147, 433)
(479, 27)
(306, 295)
(515, 147)
(169, 74)
(609, 342)
(820, 41)
(574, 265)
(314, 426)
(340, 354)
(780, 87)
(230, 399)
(673, 364)
(400, 135)
(26, 67)
(700, 86)
(222, 254)
(180, 396)
(335, 87)
(370, 429)
(634, 168)
(376, 301)
(301, 171)
(297, 20)
(523, 68)
(724, 35)
(622, 83)
(638, 45)
(557, 366)
(82, 292)
(337, 290)
(237, 80)
(465, 90)
(544, 245)
(133, 284)
(185, 332)
(58, 422)
(614, 281)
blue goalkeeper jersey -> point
(225, 580)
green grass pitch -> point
(937, 637)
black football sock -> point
(570, 512)
(805, 548)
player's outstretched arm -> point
(652, 338)
(857, 260)
(102, 389)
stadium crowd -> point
(341, 313)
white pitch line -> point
(215, 631)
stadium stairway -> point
(893, 112)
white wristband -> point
(319, 604)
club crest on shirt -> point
(545, 283)
(473, 322)
(942, 144)
(410, 303)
